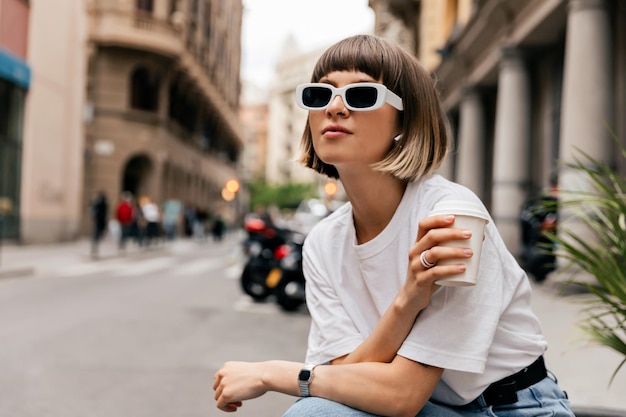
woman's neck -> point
(374, 198)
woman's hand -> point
(236, 382)
(420, 282)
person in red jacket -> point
(124, 215)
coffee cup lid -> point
(460, 207)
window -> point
(145, 5)
(144, 90)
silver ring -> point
(425, 263)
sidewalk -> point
(27, 260)
(583, 369)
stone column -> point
(586, 103)
(586, 115)
(511, 146)
(471, 147)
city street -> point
(137, 336)
(142, 334)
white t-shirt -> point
(478, 334)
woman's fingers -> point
(432, 232)
(433, 222)
(439, 253)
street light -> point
(330, 188)
(232, 185)
(229, 192)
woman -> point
(384, 339)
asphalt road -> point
(139, 336)
(142, 335)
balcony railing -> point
(111, 24)
(146, 21)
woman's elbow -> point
(406, 403)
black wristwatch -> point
(304, 379)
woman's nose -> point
(336, 106)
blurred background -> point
(171, 99)
(185, 110)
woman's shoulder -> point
(436, 187)
(331, 226)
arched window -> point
(145, 5)
(144, 90)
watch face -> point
(304, 375)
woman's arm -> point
(398, 388)
(372, 377)
(396, 323)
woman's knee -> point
(435, 410)
(315, 406)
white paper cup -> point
(471, 216)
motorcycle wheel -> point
(289, 294)
(253, 283)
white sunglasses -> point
(356, 97)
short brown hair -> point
(424, 141)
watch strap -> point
(304, 379)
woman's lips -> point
(334, 131)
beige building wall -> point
(92, 122)
(287, 120)
(439, 20)
(164, 85)
(52, 169)
(254, 120)
(524, 83)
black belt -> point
(505, 390)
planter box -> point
(598, 412)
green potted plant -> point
(591, 240)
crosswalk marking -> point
(198, 266)
(234, 271)
(184, 259)
(144, 267)
(125, 267)
(80, 269)
(246, 304)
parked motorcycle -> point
(539, 217)
(261, 247)
(274, 265)
(287, 281)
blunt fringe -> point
(424, 142)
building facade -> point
(286, 119)
(525, 84)
(253, 114)
(15, 81)
(163, 88)
(128, 95)
(52, 171)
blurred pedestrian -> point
(199, 227)
(152, 216)
(217, 230)
(99, 218)
(138, 225)
(384, 338)
(190, 219)
(125, 216)
(172, 217)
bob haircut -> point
(424, 141)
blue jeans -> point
(545, 398)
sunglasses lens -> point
(316, 96)
(361, 97)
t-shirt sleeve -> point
(332, 333)
(457, 329)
